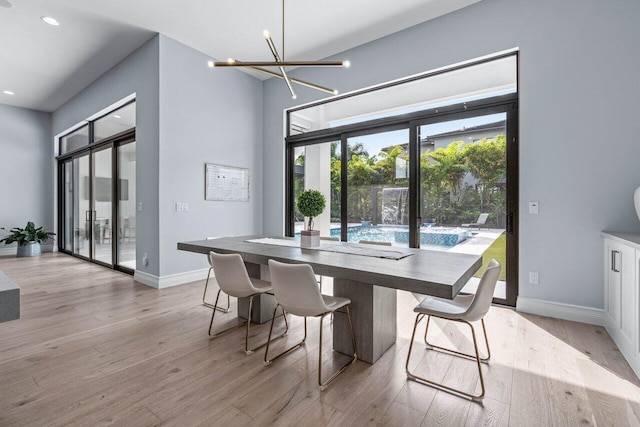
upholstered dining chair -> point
(296, 291)
(234, 280)
(463, 309)
(206, 285)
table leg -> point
(263, 305)
(373, 312)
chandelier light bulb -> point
(266, 34)
(335, 91)
(346, 64)
(51, 21)
(230, 60)
(211, 64)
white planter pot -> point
(30, 249)
(309, 238)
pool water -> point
(440, 236)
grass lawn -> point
(497, 250)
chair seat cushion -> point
(335, 303)
(260, 285)
(450, 309)
(332, 303)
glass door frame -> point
(113, 142)
(507, 104)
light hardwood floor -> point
(95, 348)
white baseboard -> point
(170, 280)
(8, 251)
(11, 249)
(574, 313)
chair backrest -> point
(213, 238)
(371, 242)
(484, 294)
(231, 274)
(482, 219)
(296, 289)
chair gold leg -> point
(352, 360)
(246, 335)
(441, 386)
(213, 315)
(268, 361)
(214, 306)
(247, 351)
(448, 350)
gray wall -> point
(579, 95)
(26, 188)
(137, 73)
(206, 116)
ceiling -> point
(45, 66)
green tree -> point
(361, 174)
(451, 166)
(386, 165)
(487, 162)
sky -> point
(374, 143)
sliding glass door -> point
(102, 205)
(126, 206)
(97, 200)
(436, 180)
(81, 206)
(318, 167)
(378, 187)
(66, 190)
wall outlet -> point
(534, 277)
(534, 208)
(182, 207)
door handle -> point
(614, 261)
(87, 215)
(510, 223)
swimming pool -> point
(439, 236)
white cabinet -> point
(621, 293)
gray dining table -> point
(369, 281)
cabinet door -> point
(612, 256)
(627, 295)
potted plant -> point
(311, 203)
(28, 238)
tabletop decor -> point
(311, 203)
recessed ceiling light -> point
(51, 21)
(117, 116)
(8, 92)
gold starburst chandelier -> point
(281, 63)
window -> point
(115, 122)
(76, 139)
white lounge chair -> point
(482, 219)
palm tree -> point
(451, 165)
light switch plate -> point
(182, 207)
(534, 277)
(534, 208)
